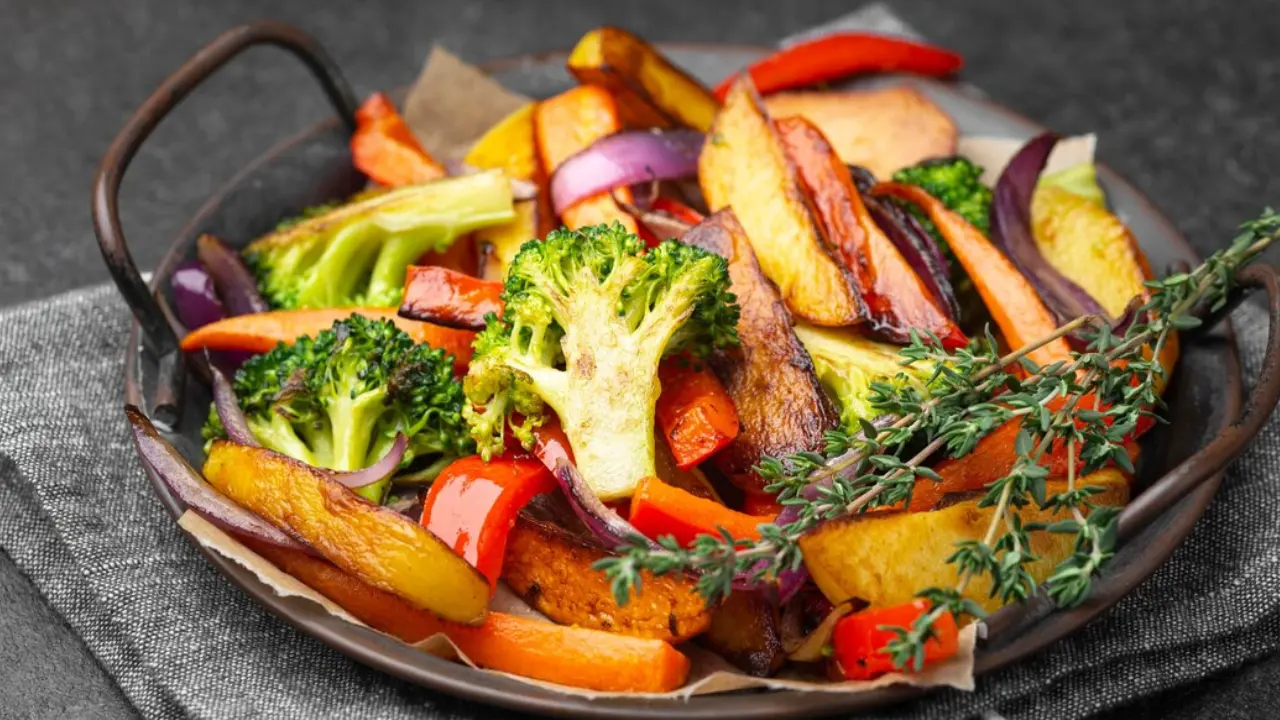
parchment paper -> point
(452, 104)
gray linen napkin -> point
(78, 517)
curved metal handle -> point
(1224, 448)
(156, 331)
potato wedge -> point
(551, 570)
(379, 546)
(781, 406)
(509, 146)
(882, 130)
(1094, 249)
(651, 92)
(885, 558)
(745, 631)
(744, 166)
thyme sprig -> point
(1088, 406)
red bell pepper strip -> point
(659, 509)
(694, 412)
(472, 506)
(840, 55)
(448, 297)
(760, 503)
(384, 148)
(859, 641)
(677, 210)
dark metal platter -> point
(1178, 477)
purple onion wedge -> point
(1011, 230)
(604, 523)
(356, 479)
(624, 159)
(227, 406)
(235, 282)
(194, 296)
(167, 464)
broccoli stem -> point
(342, 267)
(277, 434)
(352, 419)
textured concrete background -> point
(1183, 95)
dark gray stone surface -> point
(1183, 96)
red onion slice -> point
(228, 408)
(1011, 230)
(367, 476)
(625, 158)
(194, 296)
(604, 523)
(184, 482)
(235, 282)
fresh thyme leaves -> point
(1091, 407)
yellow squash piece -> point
(377, 545)
(1094, 249)
(885, 558)
(743, 165)
(651, 92)
(509, 146)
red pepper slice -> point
(832, 57)
(472, 506)
(448, 297)
(659, 509)
(694, 412)
(760, 503)
(859, 642)
(677, 210)
(384, 148)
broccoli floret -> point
(957, 182)
(588, 316)
(338, 401)
(356, 254)
(848, 363)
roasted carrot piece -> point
(895, 299)
(577, 657)
(445, 297)
(260, 332)
(1013, 302)
(567, 124)
(384, 148)
(694, 412)
(658, 509)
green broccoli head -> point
(338, 401)
(356, 254)
(957, 182)
(847, 364)
(588, 315)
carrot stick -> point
(695, 413)
(659, 509)
(384, 148)
(577, 657)
(261, 332)
(566, 125)
(446, 297)
(1013, 302)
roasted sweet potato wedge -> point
(745, 631)
(509, 146)
(551, 569)
(377, 545)
(882, 130)
(651, 92)
(524, 646)
(744, 166)
(894, 300)
(885, 558)
(782, 408)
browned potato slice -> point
(743, 166)
(377, 545)
(651, 92)
(781, 407)
(886, 558)
(745, 631)
(551, 570)
(882, 130)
